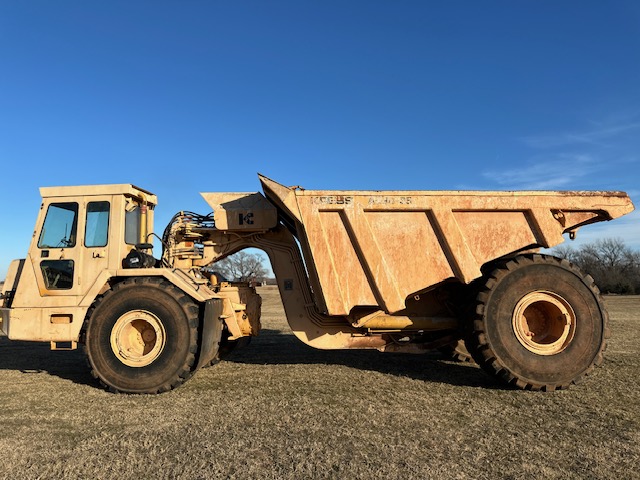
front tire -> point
(142, 336)
(539, 323)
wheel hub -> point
(544, 322)
(138, 338)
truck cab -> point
(80, 233)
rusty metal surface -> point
(376, 248)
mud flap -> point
(211, 332)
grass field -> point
(279, 409)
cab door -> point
(58, 258)
(72, 247)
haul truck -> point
(396, 271)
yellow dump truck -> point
(396, 271)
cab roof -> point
(94, 190)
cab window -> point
(97, 229)
(60, 226)
(132, 225)
(57, 274)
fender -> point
(211, 332)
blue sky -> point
(184, 97)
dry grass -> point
(279, 409)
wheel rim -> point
(138, 338)
(544, 322)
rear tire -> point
(539, 323)
(142, 336)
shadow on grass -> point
(272, 347)
(37, 357)
(277, 348)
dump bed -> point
(376, 248)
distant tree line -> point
(614, 266)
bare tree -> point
(614, 266)
(242, 267)
(565, 251)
